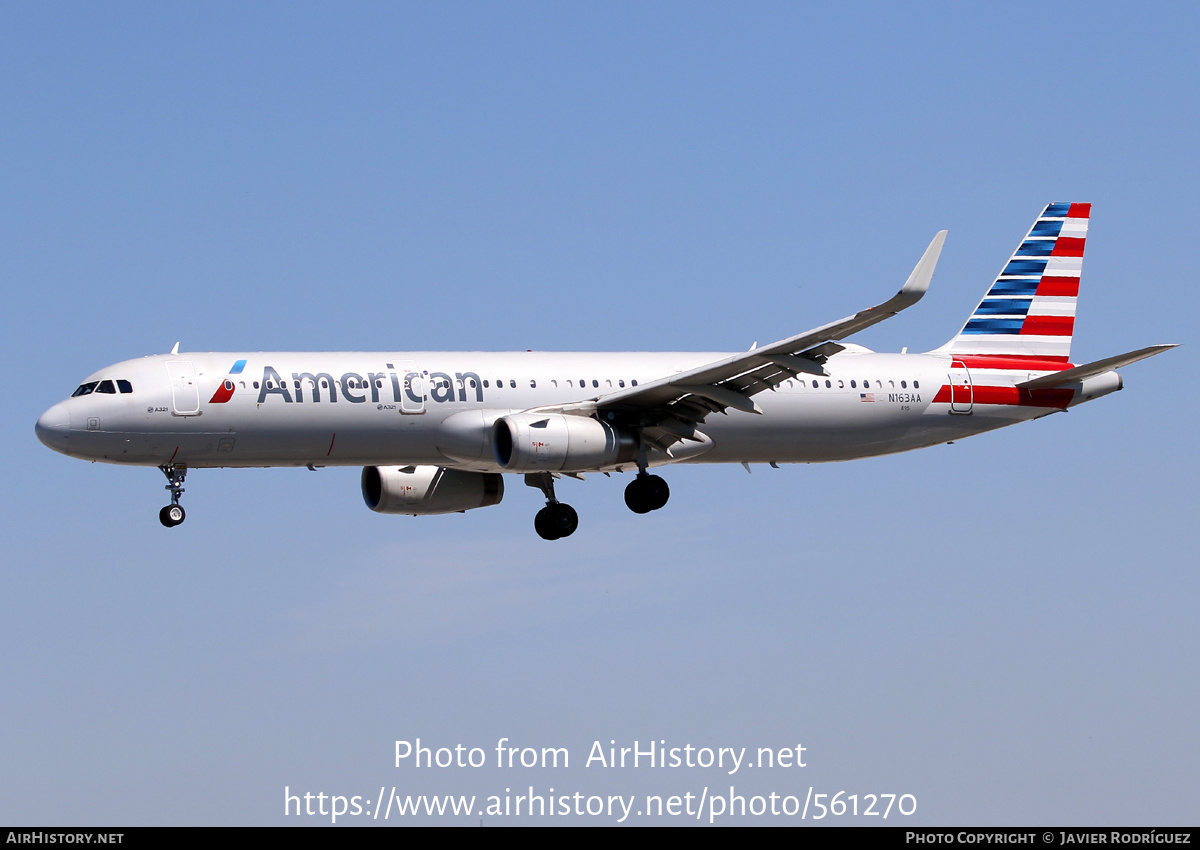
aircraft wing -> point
(668, 409)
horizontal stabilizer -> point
(1088, 370)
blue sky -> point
(1003, 628)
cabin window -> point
(595, 383)
(621, 382)
(828, 383)
(853, 385)
(532, 385)
(634, 383)
(512, 384)
(904, 385)
(916, 385)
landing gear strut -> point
(173, 514)
(557, 519)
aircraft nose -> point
(54, 426)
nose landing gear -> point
(173, 514)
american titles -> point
(374, 387)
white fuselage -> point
(380, 408)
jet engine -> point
(424, 490)
(556, 442)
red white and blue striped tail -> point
(1030, 309)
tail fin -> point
(1030, 309)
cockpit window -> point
(124, 386)
(84, 389)
(107, 388)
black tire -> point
(657, 492)
(543, 524)
(172, 515)
(637, 497)
(564, 519)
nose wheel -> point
(173, 514)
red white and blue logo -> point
(1030, 309)
(225, 392)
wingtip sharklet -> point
(922, 274)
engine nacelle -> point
(423, 490)
(556, 442)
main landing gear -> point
(646, 493)
(557, 519)
(173, 514)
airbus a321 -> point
(435, 432)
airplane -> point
(435, 432)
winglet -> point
(175, 348)
(922, 274)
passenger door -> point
(962, 391)
(185, 395)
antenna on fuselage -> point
(175, 348)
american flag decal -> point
(866, 396)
